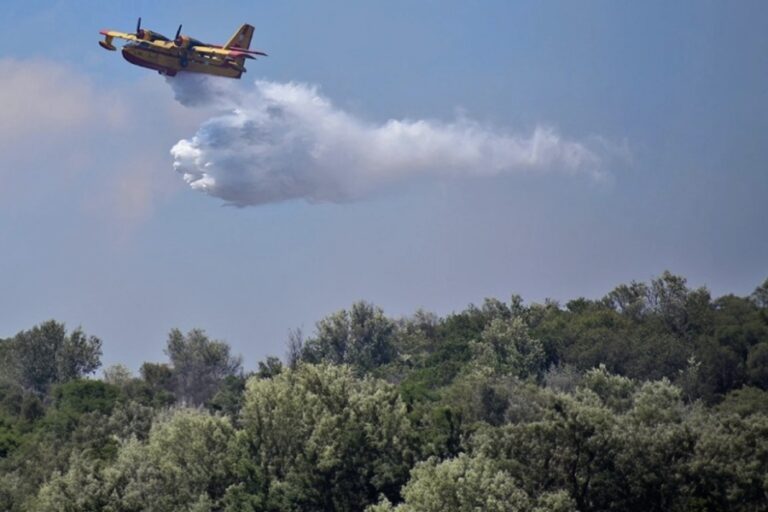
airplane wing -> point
(227, 53)
(119, 35)
(109, 35)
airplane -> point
(151, 50)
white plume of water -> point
(283, 141)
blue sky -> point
(97, 230)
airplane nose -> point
(129, 54)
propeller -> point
(139, 32)
(179, 41)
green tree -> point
(507, 348)
(118, 375)
(10, 437)
(728, 468)
(184, 465)
(462, 484)
(83, 396)
(760, 295)
(46, 355)
(317, 438)
(361, 337)
(668, 297)
(745, 402)
(269, 368)
(229, 398)
(757, 365)
(570, 448)
(199, 365)
(154, 388)
(81, 488)
(614, 390)
(631, 300)
(654, 443)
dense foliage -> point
(653, 398)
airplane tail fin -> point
(241, 38)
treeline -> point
(653, 398)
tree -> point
(269, 368)
(668, 295)
(46, 355)
(295, 347)
(229, 398)
(199, 365)
(462, 484)
(156, 386)
(507, 348)
(494, 308)
(317, 438)
(745, 402)
(415, 336)
(570, 448)
(117, 375)
(157, 375)
(757, 365)
(185, 463)
(729, 464)
(631, 300)
(760, 295)
(83, 396)
(654, 442)
(361, 337)
(614, 390)
(79, 489)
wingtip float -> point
(152, 50)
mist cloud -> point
(283, 141)
(48, 101)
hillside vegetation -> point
(653, 398)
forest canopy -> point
(652, 398)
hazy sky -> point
(96, 228)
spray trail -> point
(283, 141)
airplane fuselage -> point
(173, 61)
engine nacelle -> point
(183, 41)
(148, 35)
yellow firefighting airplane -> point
(154, 51)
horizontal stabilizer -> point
(252, 52)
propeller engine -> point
(139, 33)
(180, 40)
(148, 35)
(183, 41)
